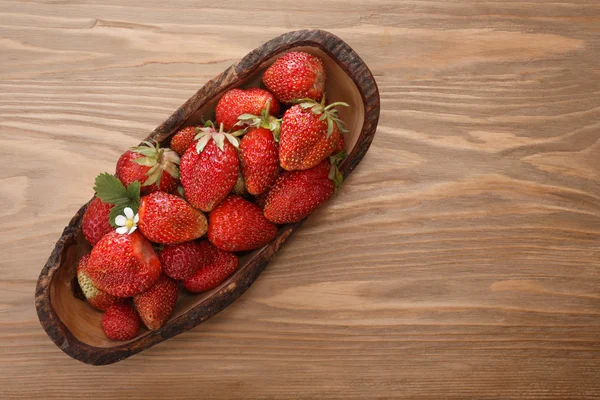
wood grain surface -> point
(460, 259)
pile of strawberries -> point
(249, 171)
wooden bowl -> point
(75, 326)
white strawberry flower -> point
(127, 223)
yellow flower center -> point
(129, 224)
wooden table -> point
(460, 260)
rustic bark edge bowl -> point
(74, 326)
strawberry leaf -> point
(329, 127)
(202, 143)
(109, 189)
(146, 161)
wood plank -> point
(460, 259)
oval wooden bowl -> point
(75, 326)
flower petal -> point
(120, 220)
(136, 218)
(128, 212)
(122, 230)
(133, 228)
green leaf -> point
(232, 139)
(329, 127)
(146, 161)
(202, 143)
(172, 170)
(133, 193)
(219, 139)
(337, 103)
(181, 192)
(109, 189)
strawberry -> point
(180, 261)
(296, 75)
(259, 157)
(123, 264)
(236, 102)
(96, 297)
(259, 154)
(166, 218)
(95, 222)
(183, 139)
(121, 322)
(239, 225)
(310, 131)
(340, 144)
(156, 305)
(215, 266)
(155, 168)
(296, 194)
(209, 170)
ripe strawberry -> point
(209, 170)
(215, 266)
(96, 297)
(183, 139)
(239, 225)
(259, 157)
(95, 222)
(166, 218)
(123, 264)
(236, 102)
(121, 322)
(155, 168)
(156, 305)
(296, 75)
(309, 133)
(296, 194)
(180, 261)
(340, 144)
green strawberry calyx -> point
(158, 159)
(208, 132)
(327, 112)
(265, 120)
(334, 173)
(109, 189)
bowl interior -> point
(82, 320)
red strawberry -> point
(96, 297)
(166, 218)
(236, 102)
(155, 168)
(121, 322)
(296, 194)
(210, 169)
(215, 266)
(259, 157)
(95, 222)
(123, 264)
(310, 132)
(296, 75)
(180, 261)
(183, 139)
(156, 305)
(239, 225)
(340, 144)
